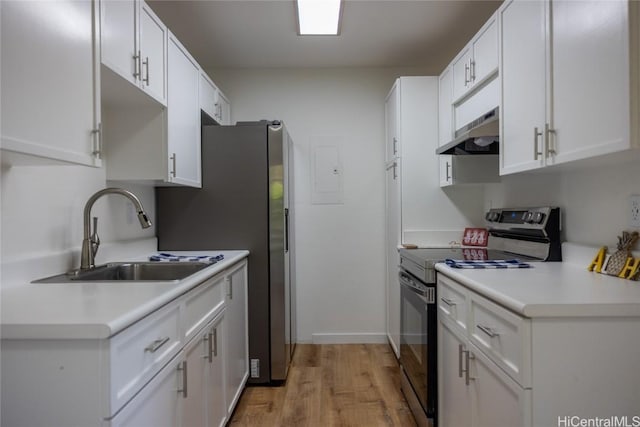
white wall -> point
(41, 211)
(594, 200)
(340, 248)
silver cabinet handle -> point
(395, 145)
(209, 339)
(173, 164)
(146, 62)
(156, 344)
(536, 134)
(448, 301)
(460, 351)
(472, 70)
(230, 283)
(216, 114)
(395, 173)
(182, 367)
(547, 139)
(97, 138)
(466, 73)
(448, 168)
(467, 356)
(136, 65)
(489, 331)
(215, 342)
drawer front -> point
(140, 351)
(503, 336)
(452, 301)
(202, 304)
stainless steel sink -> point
(130, 271)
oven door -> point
(418, 338)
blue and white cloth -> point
(163, 256)
(500, 263)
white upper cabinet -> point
(50, 83)
(445, 107)
(133, 42)
(183, 116)
(567, 82)
(213, 102)
(478, 61)
(392, 112)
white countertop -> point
(552, 289)
(94, 310)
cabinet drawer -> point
(201, 304)
(140, 351)
(452, 301)
(503, 336)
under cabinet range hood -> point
(478, 137)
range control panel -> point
(523, 218)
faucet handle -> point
(95, 239)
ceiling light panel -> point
(319, 17)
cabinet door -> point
(118, 37)
(393, 260)
(153, 52)
(50, 81)
(215, 394)
(523, 74)
(183, 116)
(590, 79)
(446, 170)
(392, 122)
(445, 107)
(224, 109)
(158, 404)
(196, 355)
(462, 73)
(236, 345)
(485, 52)
(497, 399)
(208, 96)
(454, 396)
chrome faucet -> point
(91, 241)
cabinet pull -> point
(489, 331)
(547, 140)
(472, 70)
(215, 342)
(230, 284)
(467, 356)
(466, 73)
(460, 351)
(97, 141)
(182, 367)
(209, 339)
(173, 164)
(395, 145)
(448, 176)
(156, 344)
(536, 134)
(448, 301)
(136, 65)
(146, 62)
(395, 174)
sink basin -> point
(130, 271)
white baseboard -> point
(349, 338)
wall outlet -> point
(634, 206)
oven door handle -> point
(428, 294)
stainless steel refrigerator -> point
(245, 203)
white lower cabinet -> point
(182, 365)
(203, 369)
(474, 391)
(158, 404)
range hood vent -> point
(478, 137)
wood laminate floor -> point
(331, 385)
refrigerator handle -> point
(286, 230)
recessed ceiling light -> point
(319, 17)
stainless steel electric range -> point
(527, 234)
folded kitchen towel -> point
(186, 258)
(501, 263)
